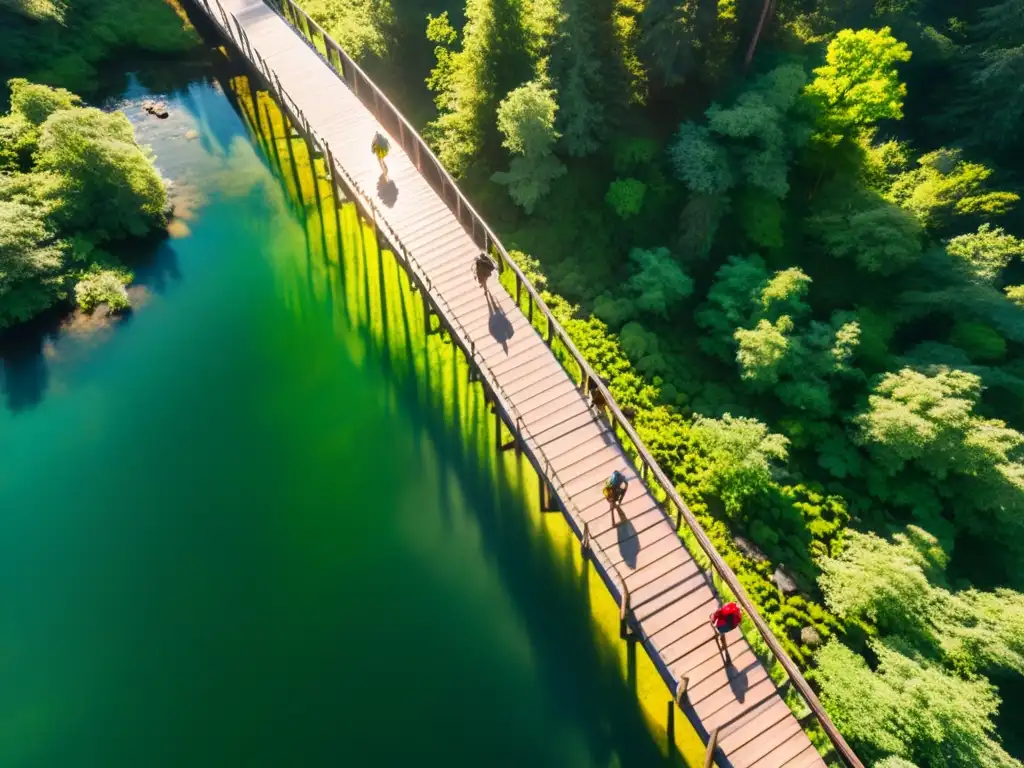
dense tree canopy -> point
(62, 42)
(75, 178)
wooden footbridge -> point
(562, 417)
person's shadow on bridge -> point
(387, 191)
(499, 325)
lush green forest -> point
(73, 181)
(787, 232)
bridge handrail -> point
(589, 378)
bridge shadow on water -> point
(573, 624)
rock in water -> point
(157, 109)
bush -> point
(109, 185)
(626, 197)
(103, 286)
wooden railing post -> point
(624, 612)
(709, 757)
(585, 541)
(680, 692)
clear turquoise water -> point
(235, 532)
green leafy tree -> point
(576, 71)
(764, 128)
(983, 631)
(699, 222)
(361, 27)
(894, 762)
(37, 9)
(526, 118)
(979, 341)
(909, 708)
(896, 588)
(731, 302)
(928, 423)
(944, 185)
(61, 42)
(750, 142)
(103, 286)
(877, 236)
(740, 453)
(987, 252)
(763, 348)
(469, 82)
(882, 583)
(993, 69)
(761, 216)
(626, 40)
(18, 139)
(31, 261)
(1015, 293)
(930, 420)
(441, 79)
(626, 197)
(743, 153)
(668, 41)
(763, 320)
(658, 281)
(35, 102)
(859, 85)
(701, 161)
(109, 186)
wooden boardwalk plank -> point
(670, 596)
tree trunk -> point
(766, 9)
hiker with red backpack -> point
(724, 620)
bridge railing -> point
(431, 168)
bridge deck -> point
(671, 598)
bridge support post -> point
(624, 611)
(585, 541)
(547, 503)
(333, 172)
(513, 442)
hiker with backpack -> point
(615, 491)
(380, 147)
(484, 268)
(724, 620)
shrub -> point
(103, 286)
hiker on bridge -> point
(380, 146)
(615, 490)
(484, 268)
(724, 620)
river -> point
(261, 522)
